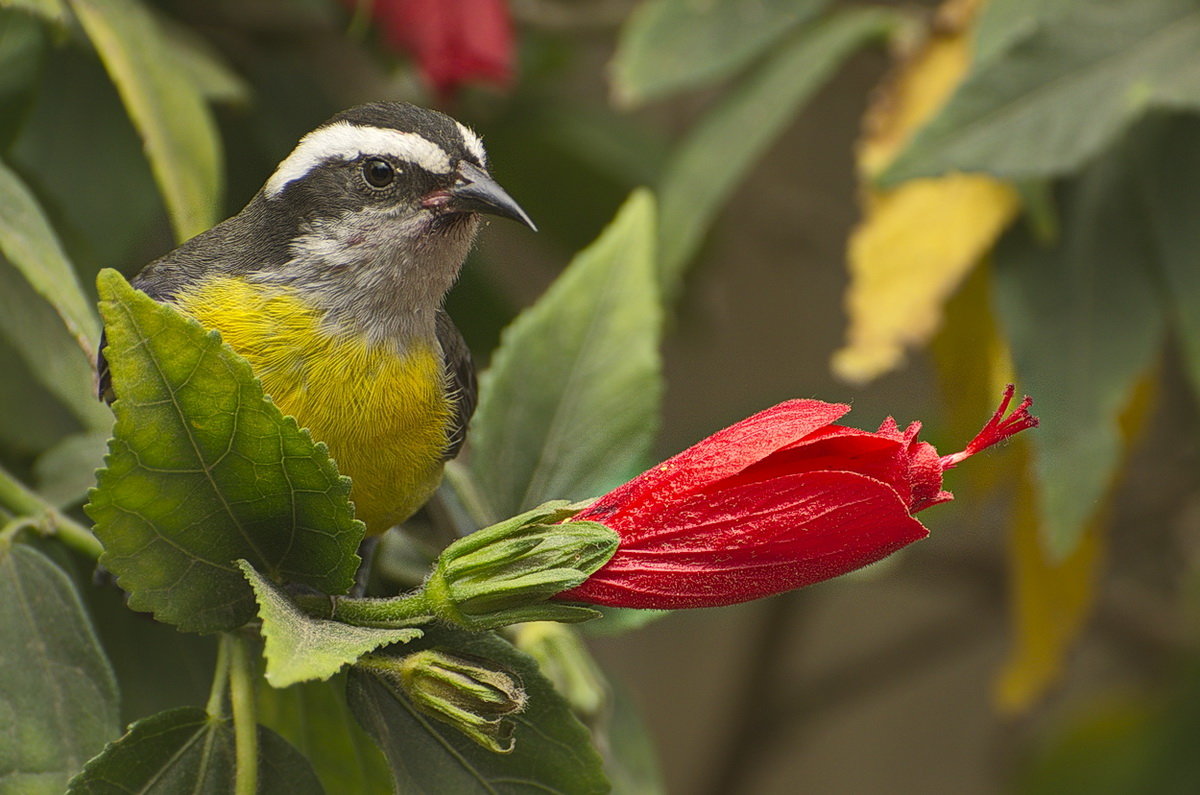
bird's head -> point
(385, 192)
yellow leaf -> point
(1051, 600)
(974, 365)
(919, 240)
(1050, 604)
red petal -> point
(754, 540)
(721, 455)
(453, 41)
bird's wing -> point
(462, 388)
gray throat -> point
(375, 275)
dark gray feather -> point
(461, 385)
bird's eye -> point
(378, 173)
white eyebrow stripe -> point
(473, 143)
(345, 141)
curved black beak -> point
(475, 191)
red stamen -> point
(997, 429)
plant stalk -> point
(245, 723)
(15, 496)
(399, 611)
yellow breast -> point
(384, 414)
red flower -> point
(453, 41)
(778, 501)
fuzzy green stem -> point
(400, 611)
(23, 501)
(245, 724)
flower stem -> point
(399, 611)
(245, 724)
(23, 501)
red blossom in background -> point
(778, 501)
(453, 41)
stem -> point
(245, 724)
(23, 501)
(399, 611)
(216, 694)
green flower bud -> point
(471, 694)
(506, 573)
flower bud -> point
(471, 694)
(506, 573)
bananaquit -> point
(330, 283)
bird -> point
(330, 282)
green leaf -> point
(629, 758)
(58, 696)
(28, 242)
(157, 667)
(1003, 23)
(65, 472)
(77, 109)
(1167, 171)
(214, 79)
(188, 750)
(300, 648)
(1084, 322)
(52, 10)
(42, 420)
(23, 46)
(552, 754)
(722, 147)
(569, 406)
(1063, 93)
(204, 470)
(668, 45)
(36, 333)
(165, 105)
(314, 717)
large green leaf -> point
(552, 754)
(299, 648)
(157, 667)
(570, 404)
(36, 333)
(1061, 94)
(28, 242)
(204, 470)
(1166, 174)
(24, 42)
(314, 717)
(1003, 23)
(58, 696)
(77, 109)
(188, 750)
(630, 761)
(713, 160)
(164, 102)
(65, 472)
(1084, 322)
(668, 45)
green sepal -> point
(472, 694)
(505, 573)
